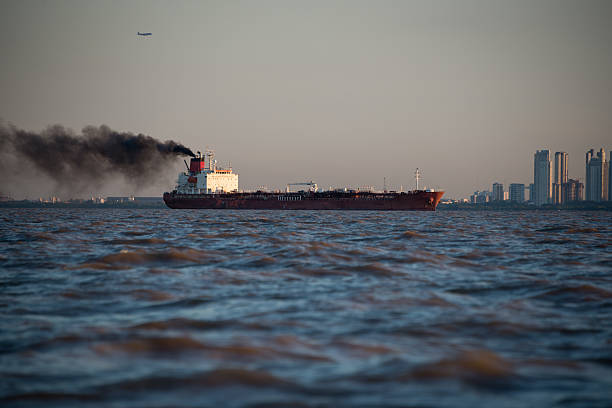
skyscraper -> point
(597, 173)
(604, 173)
(517, 192)
(541, 177)
(498, 192)
(587, 179)
(560, 177)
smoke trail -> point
(77, 162)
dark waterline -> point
(159, 308)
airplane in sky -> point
(144, 34)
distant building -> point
(560, 177)
(531, 193)
(610, 178)
(556, 193)
(517, 192)
(132, 199)
(597, 172)
(50, 200)
(498, 192)
(573, 191)
(587, 176)
(541, 177)
(115, 200)
(480, 197)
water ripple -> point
(190, 308)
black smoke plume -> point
(80, 162)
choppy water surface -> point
(158, 308)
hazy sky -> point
(340, 92)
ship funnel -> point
(197, 164)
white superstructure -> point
(203, 177)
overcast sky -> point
(340, 92)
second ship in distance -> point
(204, 185)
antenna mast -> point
(210, 159)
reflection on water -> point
(196, 308)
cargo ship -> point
(205, 185)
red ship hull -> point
(414, 200)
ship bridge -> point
(203, 176)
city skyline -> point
(551, 183)
(342, 93)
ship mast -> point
(417, 175)
(210, 159)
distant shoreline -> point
(513, 206)
(503, 206)
(34, 204)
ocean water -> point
(205, 308)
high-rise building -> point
(610, 178)
(541, 177)
(597, 173)
(573, 191)
(560, 177)
(531, 192)
(517, 192)
(605, 173)
(587, 181)
(560, 167)
(498, 192)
